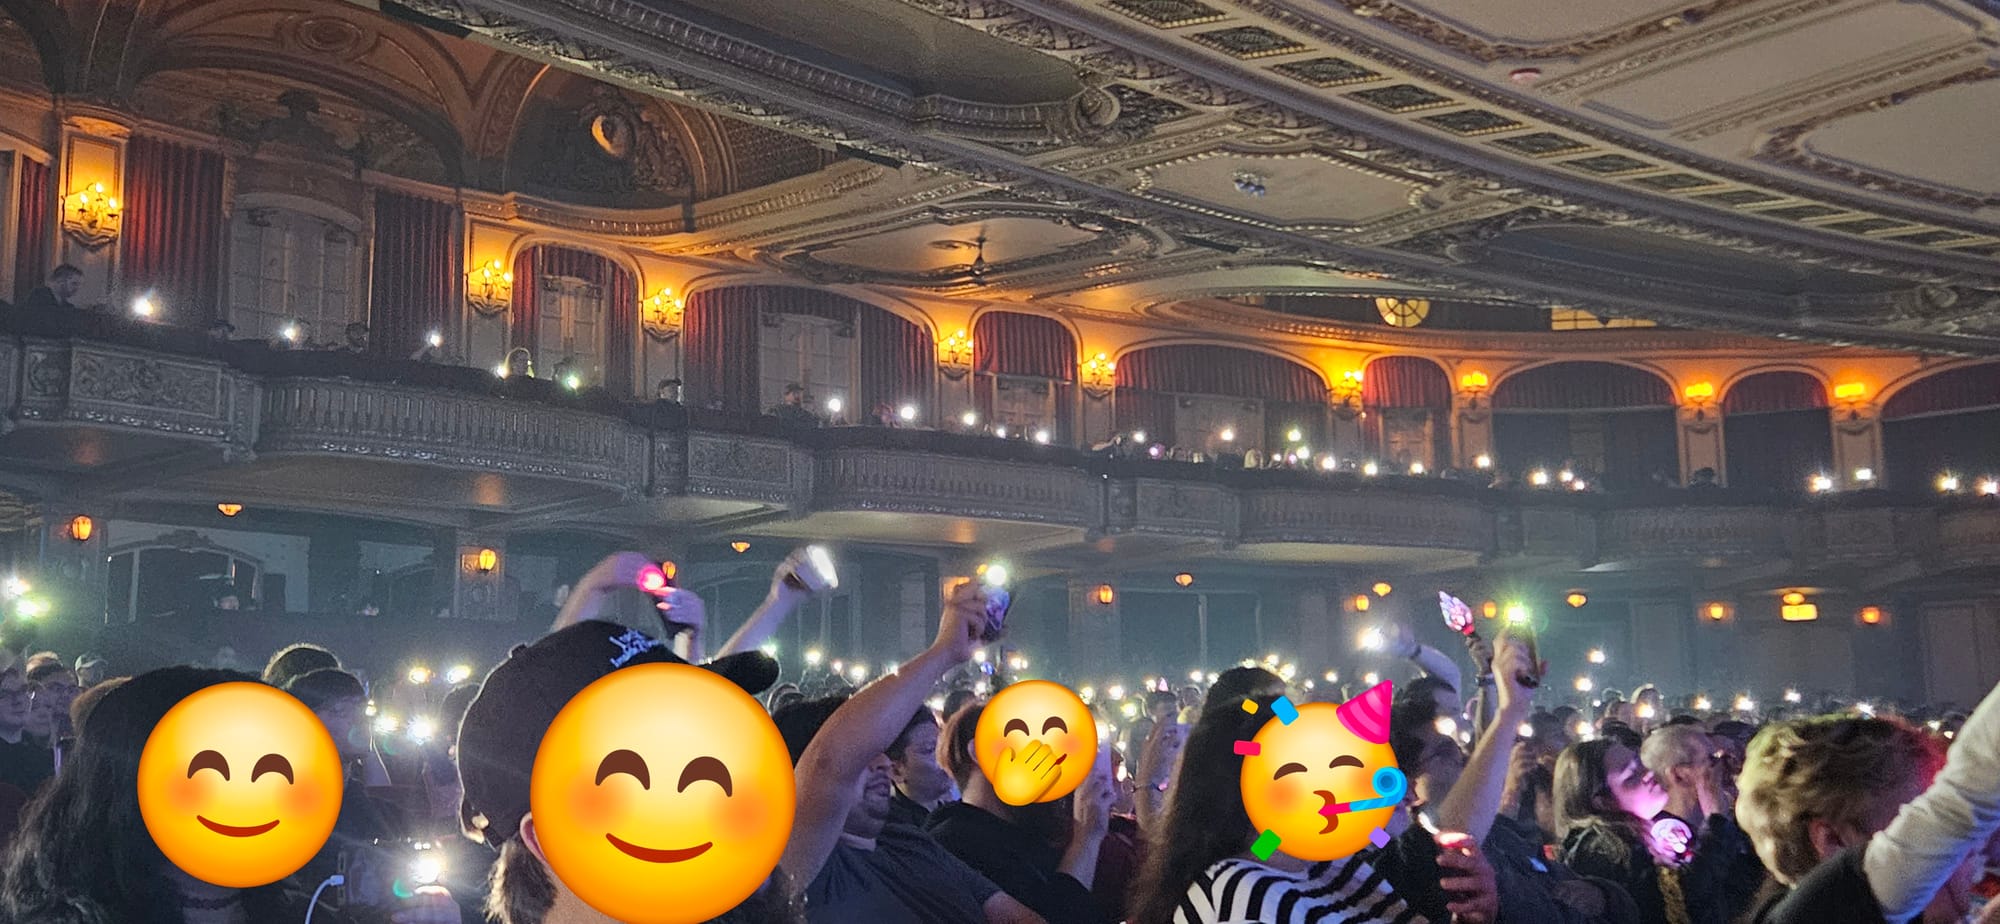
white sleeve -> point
(1907, 862)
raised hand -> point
(963, 625)
(1467, 879)
(1024, 777)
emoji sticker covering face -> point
(1319, 780)
(662, 794)
(239, 785)
(1035, 742)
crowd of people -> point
(1629, 811)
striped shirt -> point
(1238, 891)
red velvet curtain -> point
(418, 264)
(1218, 370)
(1963, 389)
(621, 300)
(1405, 381)
(1010, 343)
(1773, 392)
(1577, 386)
(1150, 411)
(897, 360)
(719, 348)
(621, 317)
(523, 319)
(34, 230)
(173, 226)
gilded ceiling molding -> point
(1465, 43)
(1211, 310)
(1786, 145)
(1693, 42)
(780, 235)
(1830, 92)
(1111, 240)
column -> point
(65, 572)
(1472, 432)
(1094, 629)
(1701, 442)
(1098, 421)
(1857, 446)
(1318, 629)
(1349, 436)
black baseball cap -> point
(503, 728)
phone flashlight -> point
(658, 580)
(819, 575)
(999, 599)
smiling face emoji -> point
(239, 785)
(1022, 716)
(662, 794)
(1318, 784)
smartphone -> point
(818, 576)
(1525, 631)
(999, 600)
(377, 874)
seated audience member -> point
(83, 855)
(792, 411)
(355, 336)
(855, 865)
(520, 364)
(64, 282)
(1200, 868)
(25, 763)
(1605, 801)
(296, 660)
(1045, 853)
(921, 784)
(501, 733)
(1854, 816)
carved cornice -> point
(913, 482)
(1486, 52)
(1785, 146)
(1365, 519)
(1691, 533)
(97, 384)
(1209, 315)
(1695, 41)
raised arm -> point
(1475, 799)
(1910, 860)
(1403, 643)
(784, 599)
(865, 726)
(618, 571)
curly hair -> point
(1841, 770)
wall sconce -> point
(1699, 396)
(81, 528)
(1360, 603)
(663, 313)
(1105, 595)
(1717, 611)
(490, 288)
(1796, 609)
(1489, 609)
(954, 355)
(1184, 579)
(483, 561)
(229, 510)
(1382, 588)
(1577, 600)
(92, 215)
(1347, 393)
(1100, 376)
(739, 546)
(1851, 396)
(1871, 616)
(1472, 385)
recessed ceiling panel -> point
(940, 246)
(1959, 128)
(1304, 191)
(1541, 22)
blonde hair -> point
(1673, 746)
(1834, 769)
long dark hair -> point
(1583, 798)
(1204, 819)
(83, 855)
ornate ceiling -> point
(1817, 169)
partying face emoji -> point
(662, 794)
(1319, 780)
(239, 785)
(1036, 742)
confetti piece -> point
(1248, 749)
(1287, 713)
(1250, 706)
(1267, 844)
(1380, 838)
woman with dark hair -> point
(1605, 803)
(1200, 870)
(84, 856)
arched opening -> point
(1610, 423)
(290, 266)
(1026, 373)
(1221, 400)
(1775, 430)
(577, 314)
(745, 344)
(1407, 400)
(1946, 422)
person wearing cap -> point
(502, 731)
(90, 670)
(682, 609)
(793, 411)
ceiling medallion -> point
(328, 36)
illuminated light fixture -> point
(1699, 396)
(92, 215)
(1796, 609)
(229, 510)
(955, 355)
(1716, 611)
(1820, 484)
(969, 419)
(1294, 435)
(1370, 469)
(663, 314)
(1099, 376)
(1482, 461)
(1346, 393)
(1106, 595)
(907, 413)
(1228, 435)
(1402, 312)
(1416, 470)
(1328, 463)
(1517, 614)
(1851, 395)
(486, 560)
(1871, 615)
(145, 306)
(739, 546)
(1539, 478)
(1184, 579)
(1597, 656)
(1042, 437)
(1947, 484)
(489, 287)
(1576, 599)
(81, 528)
(1585, 684)
(1382, 588)
(1361, 603)
(1489, 609)
(1472, 385)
